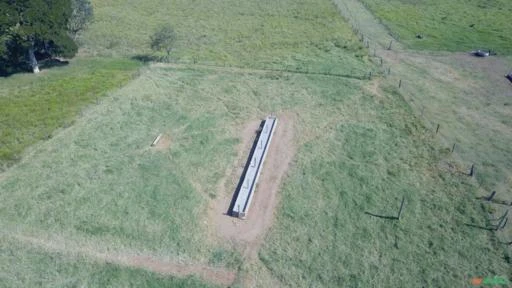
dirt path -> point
(248, 235)
(207, 273)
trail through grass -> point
(22, 266)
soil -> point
(247, 235)
(218, 276)
(164, 143)
(373, 88)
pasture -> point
(94, 204)
(448, 25)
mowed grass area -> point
(33, 106)
(457, 25)
(303, 35)
(23, 266)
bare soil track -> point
(219, 276)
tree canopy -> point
(31, 29)
(81, 14)
(163, 39)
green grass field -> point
(98, 188)
(32, 107)
(323, 238)
(456, 25)
(301, 35)
(23, 266)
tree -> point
(164, 39)
(35, 27)
(82, 14)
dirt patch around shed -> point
(248, 235)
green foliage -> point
(35, 25)
(164, 39)
(81, 16)
(31, 109)
(458, 25)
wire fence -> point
(378, 38)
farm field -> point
(287, 35)
(468, 97)
(24, 266)
(448, 25)
(95, 205)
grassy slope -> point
(445, 25)
(296, 35)
(22, 266)
(101, 181)
(32, 107)
(98, 183)
(357, 152)
(371, 156)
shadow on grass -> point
(146, 58)
(52, 62)
(480, 227)
(8, 69)
(381, 216)
(495, 201)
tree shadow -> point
(52, 62)
(9, 69)
(146, 58)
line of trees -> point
(31, 30)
